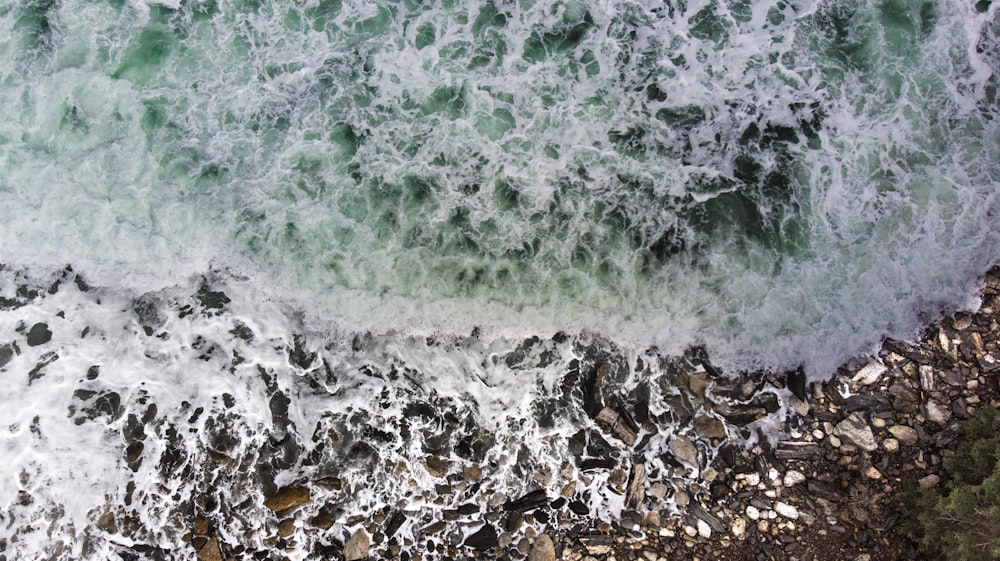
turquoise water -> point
(785, 182)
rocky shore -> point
(752, 467)
(828, 489)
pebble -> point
(739, 527)
(752, 512)
(543, 549)
(890, 445)
(834, 441)
(704, 530)
(752, 479)
(906, 435)
(793, 477)
(929, 481)
(786, 510)
(691, 531)
(871, 472)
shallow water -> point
(412, 191)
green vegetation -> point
(961, 521)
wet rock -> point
(357, 546)
(394, 522)
(709, 427)
(527, 502)
(436, 467)
(869, 374)
(636, 486)
(211, 551)
(684, 450)
(287, 498)
(857, 431)
(472, 473)
(39, 334)
(796, 382)
(609, 420)
(698, 383)
(483, 539)
(543, 549)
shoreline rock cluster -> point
(829, 489)
(699, 465)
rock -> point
(684, 450)
(936, 412)
(543, 549)
(857, 431)
(698, 383)
(483, 539)
(357, 546)
(211, 551)
(793, 477)
(657, 491)
(287, 498)
(709, 427)
(286, 528)
(926, 378)
(636, 486)
(752, 512)
(437, 467)
(786, 510)
(682, 499)
(472, 473)
(739, 527)
(796, 383)
(708, 518)
(869, 374)
(704, 530)
(929, 481)
(39, 334)
(568, 490)
(530, 501)
(890, 445)
(872, 472)
(795, 450)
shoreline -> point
(699, 465)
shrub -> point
(961, 521)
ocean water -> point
(412, 220)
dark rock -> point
(860, 402)
(527, 502)
(394, 522)
(700, 512)
(796, 382)
(795, 450)
(7, 353)
(39, 334)
(579, 508)
(484, 539)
